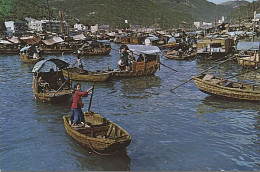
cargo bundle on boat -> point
(84, 75)
(101, 136)
(49, 84)
(30, 54)
(221, 87)
(142, 60)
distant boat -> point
(28, 55)
(78, 75)
(174, 56)
(248, 56)
(54, 87)
(211, 84)
(102, 137)
(96, 48)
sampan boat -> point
(102, 137)
(78, 75)
(147, 63)
(174, 56)
(26, 55)
(50, 85)
(211, 84)
(249, 61)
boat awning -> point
(14, 40)
(172, 39)
(46, 65)
(153, 38)
(143, 49)
(31, 40)
(58, 39)
(49, 42)
(104, 41)
(79, 37)
(25, 48)
(254, 46)
(5, 42)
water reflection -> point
(90, 161)
(212, 104)
(140, 87)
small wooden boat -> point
(78, 75)
(174, 56)
(28, 55)
(102, 137)
(249, 61)
(96, 48)
(147, 63)
(51, 86)
(218, 86)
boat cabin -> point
(49, 83)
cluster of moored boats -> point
(52, 78)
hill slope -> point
(158, 13)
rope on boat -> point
(103, 154)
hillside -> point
(235, 4)
(244, 12)
(157, 13)
(163, 13)
(18, 9)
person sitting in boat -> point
(121, 64)
(140, 58)
(180, 52)
(77, 116)
(43, 85)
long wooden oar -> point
(168, 67)
(91, 98)
(200, 74)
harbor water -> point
(181, 130)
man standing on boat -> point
(77, 116)
(125, 56)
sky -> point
(220, 1)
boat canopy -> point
(143, 49)
(25, 48)
(172, 39)
(46, 65)
(243, 46)
(79, 37)
(5, 42)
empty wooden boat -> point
(84, 75)
(102, 137)
(218, 86)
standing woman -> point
(77, 115)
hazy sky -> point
(219, 1)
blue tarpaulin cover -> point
(248, 46)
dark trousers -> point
(77, 116)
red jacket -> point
(77, 99)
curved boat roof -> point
(143, 49)
(46, 65)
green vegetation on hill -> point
(157, 13)
(19, 9)
(5, 6)
(244, 13)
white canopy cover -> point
(144, 49)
